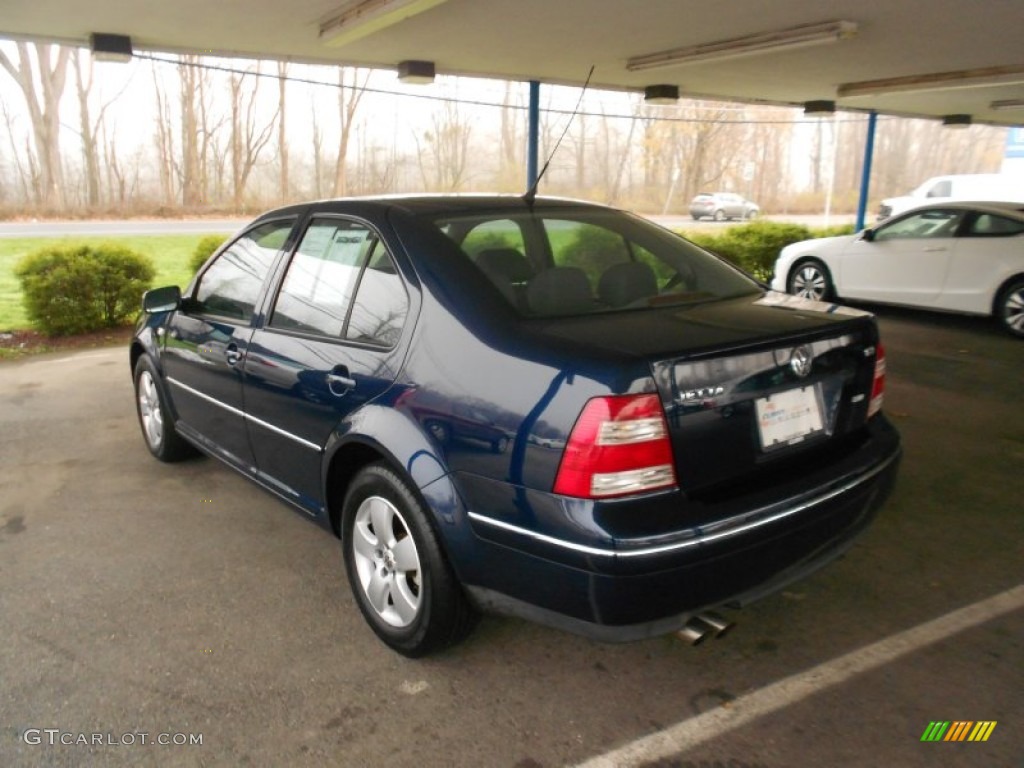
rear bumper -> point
(626, 589)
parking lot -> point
(144, 603)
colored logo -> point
(958, 730)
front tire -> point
(155, 419)
(811, 279)
(399, 575)
(1010, 308)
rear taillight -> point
(878, 385)
(619, 446)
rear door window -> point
(993, 225)
(342, 283)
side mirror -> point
(868, 234)
(165, 299)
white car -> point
(957, 257)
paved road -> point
(143, 598)
(119, 227)
(199, 226)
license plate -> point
(786, 418)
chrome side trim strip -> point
(541, 537)
(207, 398)
(697, 540)
(300, 440)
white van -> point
(964, 186)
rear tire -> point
(155, 419)
(1009, 307)
(810, 279)
(400, 577)
(719, 215)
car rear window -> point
(567, 262)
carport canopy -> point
(942, 59)
(926, 58)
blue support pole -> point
(533, 134)
(865, 178)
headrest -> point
(627, 282)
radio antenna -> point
(531, 193)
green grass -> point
(170, 255)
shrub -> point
(204, 249)
(761, 242)
(834, 231)
(753, 247)
(80, 288)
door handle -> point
(339, 381)
(232, 354)
(935, 249)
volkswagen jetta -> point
(545, 408)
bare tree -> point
(26, 178)
(191, 98)
(318, 151)
(282, 136)
(248, 138)
(768, 144)
(89, 129)
(167, 168)
(350, 92)
(510, 173)
(44, 111)
(447, 145)
(616, 185)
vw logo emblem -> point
(800, 361)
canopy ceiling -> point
(944, 57)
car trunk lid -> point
(746, 382)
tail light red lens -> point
(878, 385)
(618, 447)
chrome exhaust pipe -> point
(702, 626)
(694, 631)
(718, 625)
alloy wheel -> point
(149, 411)
(387, 562)
(1013, 309)
(810, 282)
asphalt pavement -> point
(145, 607)
(51, 228)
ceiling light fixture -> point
(1006, 105)
(819, 107)
(762, 42)
(107, 47)
(661, 94)
(358, 18)
(936, 81)
(416, 72)
(957, 121)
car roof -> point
(1002, 207)
(439, 205)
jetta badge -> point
(801, 361)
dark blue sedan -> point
(544, 408)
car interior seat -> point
(559, 291)
(624, 283)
